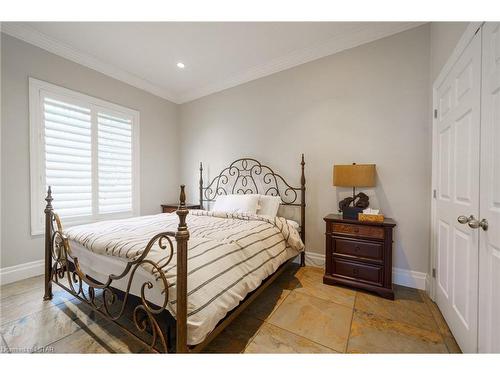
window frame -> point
(37, 91)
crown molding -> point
(361, 35)
(364, 34)
(36, 38)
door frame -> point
(464, 41)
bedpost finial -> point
(182, 212)
(201, 185)
(303, 176)
(49, 200)
(182, 197)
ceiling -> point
(216, 55)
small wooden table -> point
(359, 254)
(172, 207)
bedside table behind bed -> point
(359, 254)
(172, 207)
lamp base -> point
(351, 213)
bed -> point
(181, 278)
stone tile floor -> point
(297, 314)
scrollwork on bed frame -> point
(249, 176)
(63, 269)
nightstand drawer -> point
(362, 272)
(169, 208)
(358, 230)
(370, 250)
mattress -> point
(229, 255)
(100, 267)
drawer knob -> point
(355, 271)
(356, 230)
(356, 249)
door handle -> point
(462, 219)
(473, 222)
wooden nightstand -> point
(359, 254)
(167, 208)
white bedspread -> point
(229, 255)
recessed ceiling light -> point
(181, 65)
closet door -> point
(457, 182)
(489, 284)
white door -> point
(457, 183)
(489, 250)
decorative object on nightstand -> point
(359, 254)
(172, 207)
(371, 215)
(354, 175)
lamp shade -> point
(354, 175)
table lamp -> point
(354, 175)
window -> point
(87, 150)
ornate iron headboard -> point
(249, 176)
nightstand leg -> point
(302, 259)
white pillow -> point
(293, 224)
(269, 205)
(237, 203)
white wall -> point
(159, 139)
(444, 38)
(368, 104)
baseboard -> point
(400, 276)
(312, 259)
(21, 271)
(315, 260)
(428, 284)
(409, 278)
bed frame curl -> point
(63, 269)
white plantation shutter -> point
(87, 150)
(68, 159)
(115, 163)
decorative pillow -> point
(269, 205)
(240, 203)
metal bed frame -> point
(153, 324)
